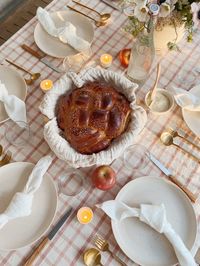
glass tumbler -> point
(71, 182)
(17, 133)
(75, 63)
(136, 157)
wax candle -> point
(46, 84)
(85, 215)
(106, 60)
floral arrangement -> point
(171, 12)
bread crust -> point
(92, 116)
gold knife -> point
(40, 57)
(29, 261)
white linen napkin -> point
(21, 203)
(66, 34)
(186, 99)
(15, 107)
(154, 216)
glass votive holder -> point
(187, 79)
(71, 182)
(136, 157)
(106, 60)
(17, 133)
(46, 85)
(75, 63)
(85, 215)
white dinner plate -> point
(23, 231)
(15, 85)
(140, 242)
(192, 119)
(53, 46)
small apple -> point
(103, 177)
(124, 56)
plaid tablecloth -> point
(70, 242)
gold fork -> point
(6, 159)
(103, 245)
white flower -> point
(171, 2)
(195, 7)
(140, 3)
(141, 13)
(165, 10)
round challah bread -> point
(92, 116)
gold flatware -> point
(167, 139)
(103, 17)
(176, 134)
(6, 159)
(34, 76)
(103, 245)
(92, 257)
(98, 23)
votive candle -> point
(106, 60)
(46, 84)
(85, 215)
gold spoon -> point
(175, 134)
(167, 139)
(92, 257)
(34, 76)
(98, 23)
(103, 17)
(6, 159)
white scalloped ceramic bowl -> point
(61, 147)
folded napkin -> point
(66, 34)
(15, 107)
(21, 203)
(154, 216)
(186, 99)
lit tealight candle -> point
(85, 215)
(106, 60)
(46, 84)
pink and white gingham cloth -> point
(70, 242)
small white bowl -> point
(165, 93)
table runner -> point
(68, 245)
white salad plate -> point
(140, 242)
(53, 46)
(23, 231)
(192, 118)
(15, 85)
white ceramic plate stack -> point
(24, 231)
(140, 242)
(15, 85)
(191, 118)
(53, 46)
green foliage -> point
(173, 47)
(181, 14)
(134, 26)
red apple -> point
(103, 177)
(124, 56)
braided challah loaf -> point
(92, 116)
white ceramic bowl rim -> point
(166, 93)
(61, 147)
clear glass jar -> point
(142, 54)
